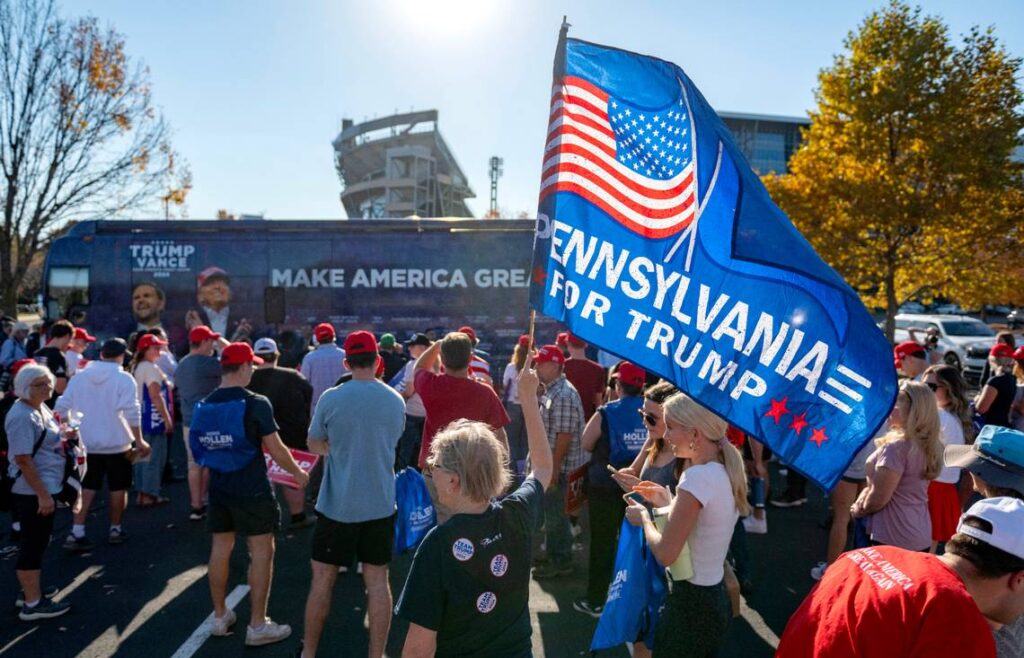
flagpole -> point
(563, 34)
(533, 321)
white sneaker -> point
(756, 526)
(222, 625)
(268, 633)
(819, 571)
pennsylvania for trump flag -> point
(657, 242)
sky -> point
(255, 90)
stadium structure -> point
(399, 166)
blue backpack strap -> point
(217, 436)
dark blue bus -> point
(398, 276)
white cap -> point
(1007, 518)
(265, 346)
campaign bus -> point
(269, 277)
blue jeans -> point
(557, 531)
(148, 474)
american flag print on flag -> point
(636, 164)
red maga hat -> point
(360, 342)
(908, 348)
(631, 374)
(468, 330)
(1001, 350)
(210, 273)
(324, 333)
(147, 341)
(201, 333)
(550, 354)
(236, 354)
(82, 334)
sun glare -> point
(445, 17)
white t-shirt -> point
(508, 383)
(951, 430)
(709, 539)
(147, 373)
(414, 405)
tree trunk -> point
(9, 295)
(891, 303)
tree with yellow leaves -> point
(904, 181)
(79, 135)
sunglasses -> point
(649, 418)
(932, 385)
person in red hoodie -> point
(885, 601)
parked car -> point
(948, 309)
(1015, 318)
(964, 341)
(912, 307)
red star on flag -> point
(539, 274)
(778, 410)
(818, 436)
(799, 422)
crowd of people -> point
(934, 505)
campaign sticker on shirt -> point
(462, 549)
(499, 565)
(486, 602)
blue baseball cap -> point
(997, 456)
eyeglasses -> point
(649, 418)
(428, 470)
(46, 384)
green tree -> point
(79, 135)
(904, 181)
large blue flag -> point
(657, 242)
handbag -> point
(415, 514)
(626, 604)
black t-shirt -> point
(54, 359)
(392, 364)
(998, 412)
(291, 395)
(470, 579)
(251, 480)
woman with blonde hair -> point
(906, 459)
(710, 497)
(468, 588)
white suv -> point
(965, 341)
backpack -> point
(414, 516)
(217, 436)
(626, 430)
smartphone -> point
(633, 496)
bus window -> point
(68, 286)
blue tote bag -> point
(415, 514)
(626, 605)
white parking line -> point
(759, 626)
(79, 580)
(200, 635)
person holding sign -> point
(468, 589)
(710, 497)
(357, 427)
(615, 435)
(230, 429)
